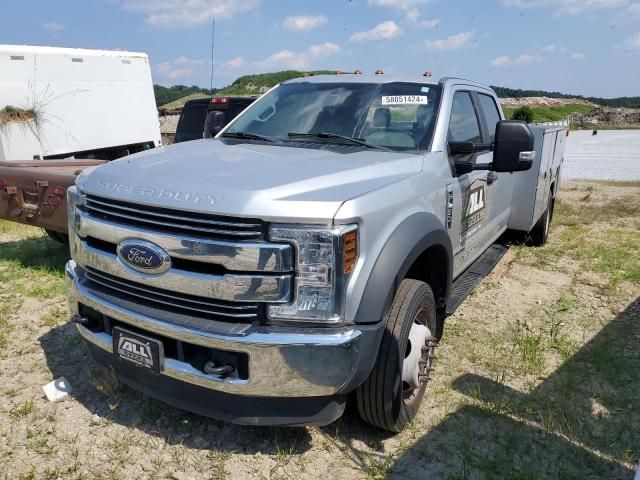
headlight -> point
(82, 177)
(75, 199)
(325, 258)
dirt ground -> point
(537, 376)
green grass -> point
(552, 114)
(22, 410)
(589, 234)
(181, 101)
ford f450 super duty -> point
(309, 252)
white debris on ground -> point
(609, 155)
(57, 389)
(168, 124)
(540, 101)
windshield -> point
(394, 116)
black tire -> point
(540, 233)
(383, 399)
(58, 237)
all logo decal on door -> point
(474, 209)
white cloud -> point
(382, 31)
(181, 67)
(523, 59)
(632, 42)
(234, 64)
(567, 7)
(578, 56)
(526, 59)
(303, 23)
(53, 27)
(286, 59)
(450, 43)
(324, 49)
(412, 15)
(404, 4)
(500, 61)
(549, 49)
(634, 9)
(187, 13)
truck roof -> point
(30, 49)
(352, 78)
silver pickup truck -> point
(310, 252)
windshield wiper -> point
(249, 136)
(354, 140)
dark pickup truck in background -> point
(205, 117)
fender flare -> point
(409, 240)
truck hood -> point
(249, 180)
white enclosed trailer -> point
(77, 103)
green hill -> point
(179, 103)
(176, 96)
(260, 83)
(626, 102)
(552, 114)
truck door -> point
(470, 195)
(500, 185)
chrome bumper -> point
(282, 363)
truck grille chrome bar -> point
(174, 221)
(162, 299)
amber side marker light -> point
(350, 253)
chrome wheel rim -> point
(418, 358)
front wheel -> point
(390, 397)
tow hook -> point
(79, 319)
(211, 369)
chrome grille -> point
(163, 299)
(175, 221)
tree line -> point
(255, 84)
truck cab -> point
(307, 254)
(196, 113)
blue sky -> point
(589, 47)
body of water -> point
(610, 155)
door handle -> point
(492, 177)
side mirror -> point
(213, 123)
(464, 163)
(461, 148)
(513, 149)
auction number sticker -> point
(405, 100)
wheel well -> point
(432, 267)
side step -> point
(469, 280)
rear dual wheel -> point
(540, 233)
(390, 397)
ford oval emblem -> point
(144, 256)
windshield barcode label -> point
(405, 100)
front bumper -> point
(283, 363)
